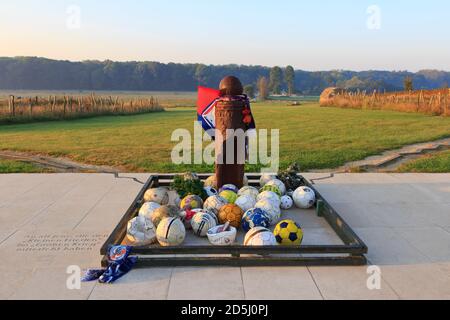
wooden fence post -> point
(31, 107)
(65, 106)
(12, 107)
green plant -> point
(290, 177)
(190, 186)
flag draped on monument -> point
(206, 109)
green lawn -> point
(315, 137)
(11, 166)
(436, 163)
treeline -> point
(31, 73)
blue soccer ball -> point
(255, 217)
(229, 187)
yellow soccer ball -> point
(289, 233)
(229, 195)
(191, 202)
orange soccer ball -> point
(231, 213)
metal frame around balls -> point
(352, 252)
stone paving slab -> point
(293, 283)
(419, 281)
(349, 283)
(403, 218)
(140, 284)
(433, 242)
(12, 280)
(387, 247)
(208, 283)
(49, 283)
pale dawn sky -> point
(310, 35)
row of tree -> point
(31, 73)
(278, 80)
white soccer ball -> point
(269, 196)
(141, 231)
(225, 238)
(170, 232)
(148, 208)
(286, 202)
(174, 198)
(214, 204)
(248, 191)
(187, 215)
(202, 222)
(245, 202)
(260, 236)
(266, 177)
(158, 195)
(273, 211)
(210, 191)
(279, 184)
(304, 197)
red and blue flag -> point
(206, 109)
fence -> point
(62, 107)
(433, 102)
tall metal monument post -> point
(230, 133)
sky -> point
(310, 35)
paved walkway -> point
(48, 222)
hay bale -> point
(328, 94)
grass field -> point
(12, 166)
(317, 138)
(436, 163)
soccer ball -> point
(245, 202)
(214, 203)
(269, 196)
(191, 202)
(164, 212)
(273, 211)
(225, 238)
(231, 213)
(202, 221)
(190, 176)
(187, 215)
(147, 209)
(266, 177)
(230, 187)
(286, 202)
(253, 218)
(248, 191)
(210, 191)
(229, 195)
(141, 231)
(274, 189)
(304, 197)
(170, 232)
(211, 182)
(260, 236)
(277, 183)
(174, 198)
(288, 233)
(158, 195)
